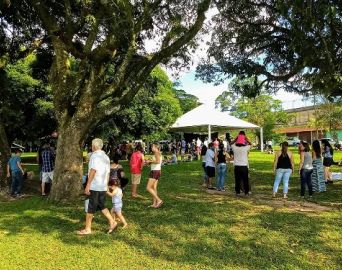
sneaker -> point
(218, 189)
(285, 196)
(302, 197)
(274, 195)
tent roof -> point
(198, 120)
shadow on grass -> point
(202, 233)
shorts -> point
(117, 208)
(47, 177)
(97, 201)
(327, 162)
(155, 175)
(135, 178)
(210, 171)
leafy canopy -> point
(295, 45)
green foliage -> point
(26, 105)
(149, 114)
(263, 111)
(187, 101)
(291, 45)
(328, 116)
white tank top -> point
(154, 166)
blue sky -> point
(207, 93)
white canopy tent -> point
(205, 119)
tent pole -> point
(209, 133)
(261, 139)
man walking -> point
(96, 188)
(48, 164)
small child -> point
(115, 192)
(241, 139)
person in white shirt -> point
(210, 165)
(240, 154)
(97, 186)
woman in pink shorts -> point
(154, 176)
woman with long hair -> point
(221, 161)
(154, 176)
(317, 177)
(328, 153)
(305, 168)
(283, 167)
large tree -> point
(150, 113)
(187, 101)
(296, 45)
(90, 38)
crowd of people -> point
(314, 167)
(106, 176)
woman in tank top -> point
(283, 168)
(305, 169)
(154, 176)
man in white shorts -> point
(48, 164)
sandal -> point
(159, 204)
(83, 232)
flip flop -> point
(83, 232)
(112, 229)
(159, 204)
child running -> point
(115, 192)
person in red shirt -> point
(136, 165)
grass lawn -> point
(193, 230)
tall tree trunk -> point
(5, 155)
(69, 163)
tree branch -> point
(184, 39)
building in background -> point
(301, 126)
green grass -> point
(193, 230)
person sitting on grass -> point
(115, 192)
(15, 170)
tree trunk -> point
(68, 170)
(5, 155)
